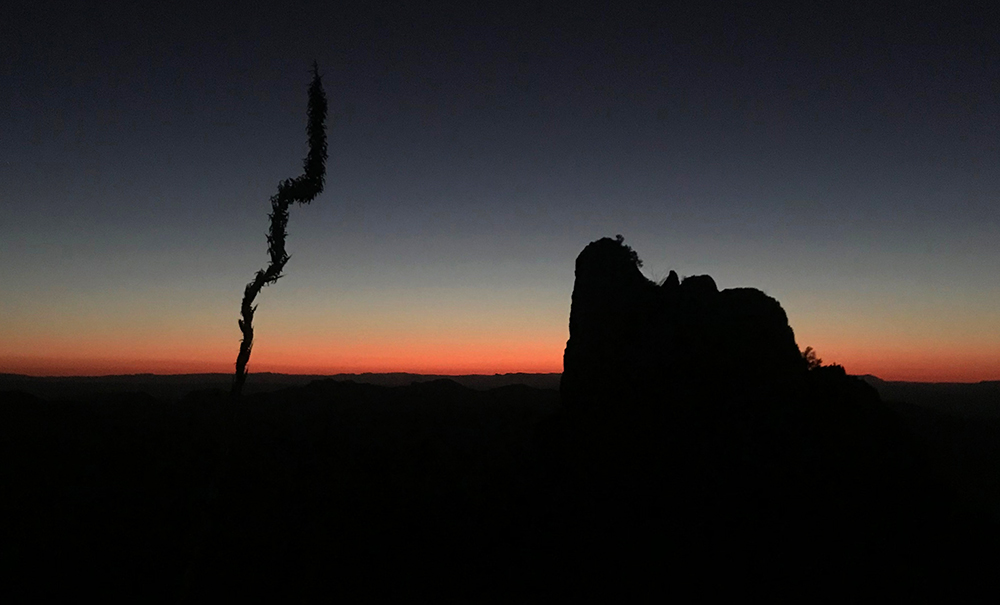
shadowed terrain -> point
(691, 451)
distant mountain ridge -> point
(967, 399)
(171, 387)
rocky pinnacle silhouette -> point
(302, 189)
(628, 333)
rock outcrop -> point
(630, 337)
(691, 410)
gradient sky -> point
(841, 158)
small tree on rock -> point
(812, 361)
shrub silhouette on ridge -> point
(302, 189)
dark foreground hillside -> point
(335, 486)
(438, 491)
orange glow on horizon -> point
(446, 352)
(111, 367)
(433, 358)
(454, 360)
(941, 364)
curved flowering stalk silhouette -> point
(302, 189)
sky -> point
(841, 157)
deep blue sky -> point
(841, 158)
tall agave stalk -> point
(302, 189)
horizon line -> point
(154, 374)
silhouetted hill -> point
(171, 387)
(333, 488)
(437, 491)
(971, 400)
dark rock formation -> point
(629, 336)
(691, 419)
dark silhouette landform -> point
(980, 400)
(173, 387)
(690, 452)
(672, 339)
